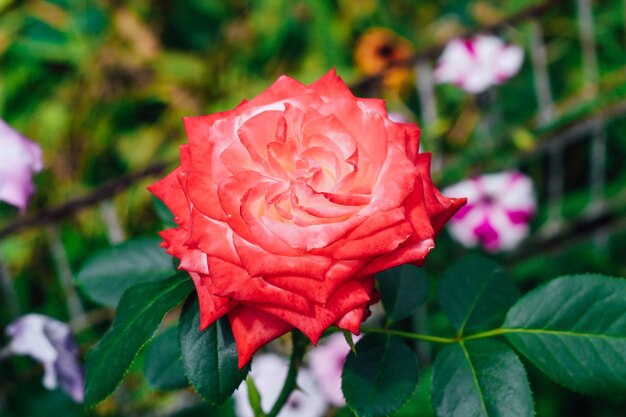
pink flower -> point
(51, 343)
(19, 160)
(269, 372)
(478, 63)
(326, 362)
(499, 208)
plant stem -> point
(490, 333)
(437, 339)
(299, 343)
(409, 335)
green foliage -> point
(402, 289)
(476, 292)
(574, 330)
(163, 213)
(102, 87)
(163, 366)
(205, 410)
(111, 271)
(141, 310)
(209, 356)
(482, 378)
(380, 376)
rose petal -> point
(212, 307)
(233, 282)
(253, 328)
(347, 297)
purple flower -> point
(50, 342)
(498, 210)
(478, 63)
(19, 160)
(269, 372)
(326, 362)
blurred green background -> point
(102, 85)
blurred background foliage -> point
(102, 86)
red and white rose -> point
(289, 204)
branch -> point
(609, 217)
(70, 207)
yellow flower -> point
(379, 49)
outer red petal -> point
(253, 328)
(212, 307)
(349, 296)
(316, 290)
(351, 321)
(439, 208)
(231, 281)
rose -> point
(19, 160)
(289, 204)
(478, 63)
(498, 211)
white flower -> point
(326, 362)
(498, 211)
(478, 63)
(269, 372)
(50, 342)
(19, 160)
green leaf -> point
(476, 292)
(420, 404)
(380, 377)
(482, 378)
(163, 213)
(163, 366)
(111, 271)
(140, 312)
(402, 290)
(349, 340)
(254, 397)
(210, 357)
(574, 330)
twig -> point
(54, 214)
(610, 217)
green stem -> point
(409, 335)
(299, 346)
(490, 333)
(436, 339)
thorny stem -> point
(299, 342)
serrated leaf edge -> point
(132, 362)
